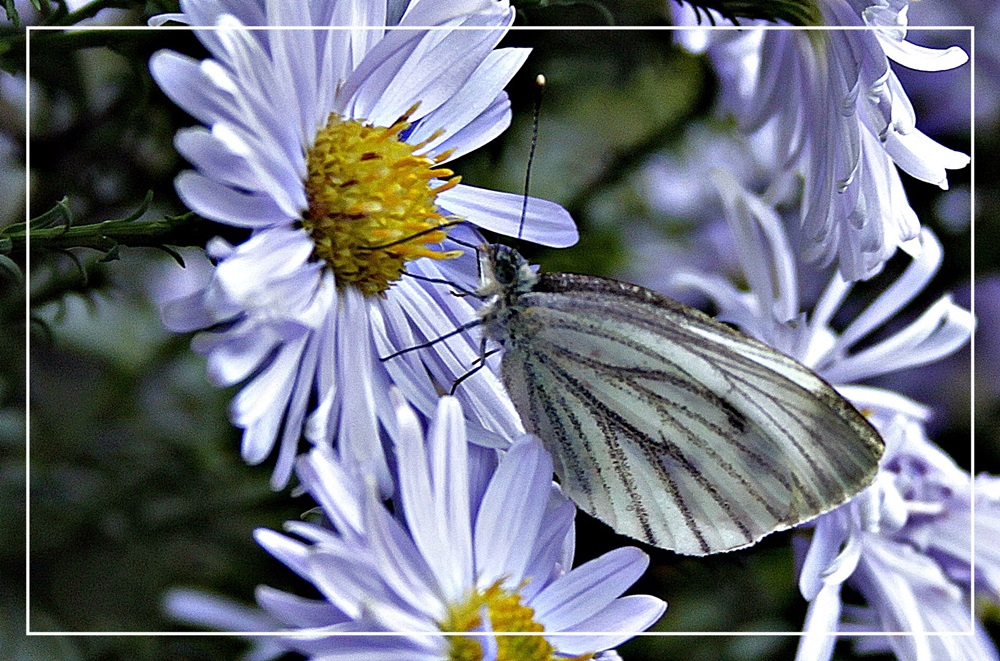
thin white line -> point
(313, 633)
(307, 633)
(972, 337)
(27, 334)
(513, 28)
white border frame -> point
(294, 634)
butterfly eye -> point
(503, 266)
(505, 272)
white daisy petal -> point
(292, 54)
(390, 329)
(260, 406)
(233, 360)
(219, 202)
(924, 158)
(295, 414)
(822, 617)
(447, 450)
(897, 295)
(490, 12)
(634, 613)
(208, 153)
(259, 87)
(297, 610)
(187, 85)
(589, 588)
(403, 568)
(372, 648)
(915, 56)
(436, 72)
(545, 222)
(187, 313)
(340, 575)
(291, 553)
(509, 519)
(488, 125)
(358, 424)
(940, 331)
(550, 546)
(476, 96)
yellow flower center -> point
(371, 203)
(507, 614)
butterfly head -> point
(506, 275)
(505, 272)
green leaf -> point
(12, 14)
(112, 255)
(10, 270)
(60, 213)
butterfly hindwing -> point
(674, 428)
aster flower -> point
(986, 18)
(905, 542)
(772, 312)
(331, 147)
(842, 120)
(475, 545)
(906, 546)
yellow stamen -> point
(371, 203)
(506, 614)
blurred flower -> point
(889, 541)
(772, 312)
(985, 16)
(841, 119)
(472, 545)
(211, 611)
(329, 146)
(12, 122)
(987, 292)
(905, 545)
(677, 185)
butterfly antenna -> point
(540, 91)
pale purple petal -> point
(226, 205)
(545, 222)
(589, 588)
(627, 615)
(509, 518)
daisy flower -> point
(843, 122)
(905, 545)
(905, 542)
(771, 310)
(474, 546)
(331, 147)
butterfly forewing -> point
(671, 427)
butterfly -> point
(664, 423)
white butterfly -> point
(665, 424)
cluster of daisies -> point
(329, 135)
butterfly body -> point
(669, 426)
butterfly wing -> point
(674, 428)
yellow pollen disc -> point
(371, 204)
(506, 613)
